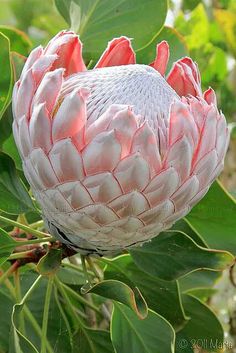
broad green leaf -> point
(122, 293)
(9, 147)
(184, 226)
(92, 341)
(176, 43)
(50, 263)
(6, 78)
(70, 276)
(7, 245)
(199, 279)
(151, 335)
(6, 304)
(161, 296)
(19, 41)
(203, 326)
(174, 254)
(99, 21)
(14, 197)
(214, 219)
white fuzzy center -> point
(139, 86)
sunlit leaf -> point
(6, 73)
(98, 21)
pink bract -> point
(117, 154)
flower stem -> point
(45, 314)
(28, 315)
(86, 275)
(24, 227)
(93, 268)
(8, 272)
(80, 298)
(18, 299)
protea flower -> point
(117, 154)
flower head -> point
(116, 154)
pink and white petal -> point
(145, 143)
(102, 154)
(66, 161)
(41, 66)
(205, 168)
(59, 202)
(32, 176)
(40, 128)
(82, 220)
(168, 222)
(119, 52)
(162, 186)
(162, 57)
(43, 168)
(194, 68)
(130, 204)
(25, 95)
(69, 50)
(102, 187)
(132, 173)
(208, 136)
(100, 214)
(24, 138)
(185, 193)
(101, 124)
(49, 88)
(76, 194)
(32, 58)
(71, 116)
(198, 196)
(222, 137)
(210, 96)
(179, 156)
(183, 78)
(128, 224)
(182, 124)
(157, 213)
(125, 124)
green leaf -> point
(178, 48)
(6, 305)
(92, 341)
(19, 41)
(6, 78)
(50, 263)
(70, 276)
(151, 335)
(99, 21)
(7, 245)
(161, 296)
(14, 197)
(214, 219)
(185, 227)
(202, 329)
(174, 254)
(122, 293)
(199, 279)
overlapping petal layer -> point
(110, 168)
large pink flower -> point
(116, 154)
